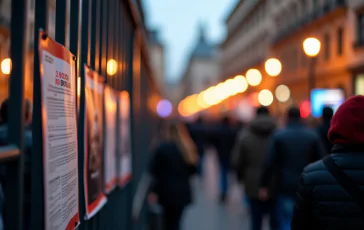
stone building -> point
(202, 68)
(157, 57)
(258, 30)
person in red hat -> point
(331, 191)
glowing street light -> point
(273, 67)
(6, 66)
(201, 101)
(265, 97)
(209, 96)
(254, 77)
(112, 67)
(282, 93)
(241, 83)
(311, 46)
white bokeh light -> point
(254, 77)
(282, 93)
(265, 97)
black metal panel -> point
(93, 20)
(107, 31)
(15, 169)
(84, 44)
(37, 192)
(75, 30)
(100, 32)
(61, 9)
(98, 35)
(105, 20)
(109, 49)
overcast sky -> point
(178, 22)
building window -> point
(360, 29)
(340, 41)
(327, 42)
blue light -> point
(164, 108)
(325, 97)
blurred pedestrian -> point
(248, 161)
(28, 142)
(292, 148)
(331, 192)
(173, 162)
(223, 137)
(323, 128)
(198, 135)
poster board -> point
(110, 104)
(59, 125)
(95, 198)
(125, 159)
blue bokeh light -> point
(164, 108)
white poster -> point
(125, 172)
(110, 139)
(59, 124)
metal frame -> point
(99, 30)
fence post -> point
(93, 20)
(83, 59)
(133, 53)
(37, 192)
(61, 9)
(74, 31)
(15, 169)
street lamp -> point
(273, 67)
(6, 66)
(112, 67)
(265, 97)
(254, 77)
(311, 47)
(282, 93)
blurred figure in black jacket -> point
(172, 165)
(291, 149)
(323, 128)
(198, 135)
(324, 201)
(222, 137)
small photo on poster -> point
(94, 146)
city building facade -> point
(202, 70)
(157, 57)
(338, 24)
(258, 30)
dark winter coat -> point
(250, 152)
(171, 175)
(322, 203)
(292, 149)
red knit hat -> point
(347, 125)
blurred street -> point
(207, 213)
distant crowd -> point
(299, 176)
